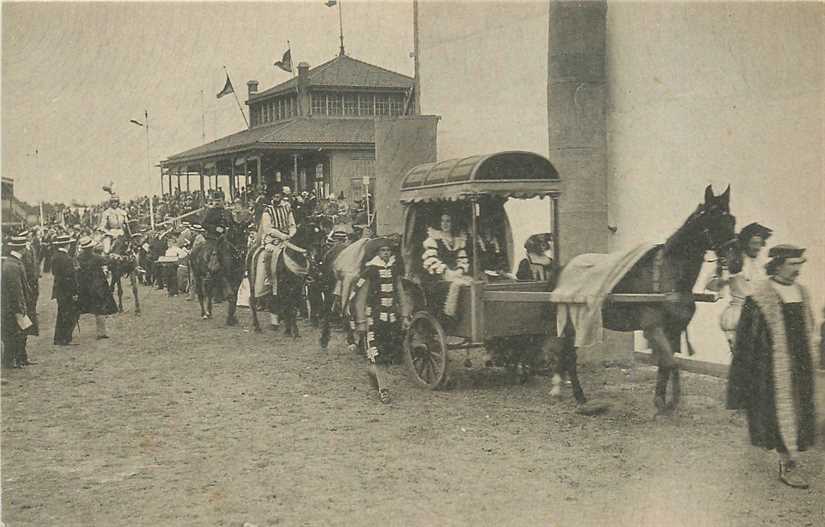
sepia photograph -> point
(417, 263)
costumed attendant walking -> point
(381, 311)
(771, 374)
(94, 295)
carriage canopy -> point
(503, 174)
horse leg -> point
(199, 290)
(232, 301)
(119, 294)
(660, 345)
(323, 319)
(570, 357)
(676, 387)
(210, 291)
(133, 280)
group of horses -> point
(224, 264)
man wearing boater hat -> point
(15, 311)
(771, 374)
(94, 295)
(64, 290)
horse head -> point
(716, 222)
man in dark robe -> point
(94, 295)
(64, 291)
(771, 374)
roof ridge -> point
(376, 66)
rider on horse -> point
(113, 222)
(277, 225)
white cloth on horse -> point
(347, 268)
(583, 286)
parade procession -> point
(441, 264)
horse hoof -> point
(661, 405)
(204, 317)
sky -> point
(75, 74)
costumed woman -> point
(445, 259)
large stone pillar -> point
(400, 144)
(577, 119)
(576, 101)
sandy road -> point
(176, 421)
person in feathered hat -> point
(771, 374)
(740, 267)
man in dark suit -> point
(64, 290)
(14, 305)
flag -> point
(286, 61)
(331, 3)
(227, 88)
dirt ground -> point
(178, 421)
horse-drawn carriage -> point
(648, 288)
(473, 191)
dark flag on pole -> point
(331, 3)
(286, 61)
(227, 88)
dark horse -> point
(675, 266)
(219, 266)
(125, 265)
(294, 263)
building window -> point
(319, 104)
(350, 104)
(396, 105)
(366, 105)
(381, 106)
(334, 104)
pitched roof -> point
(344, 72)
(298, 131)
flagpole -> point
(236, 98)
(149, 172)
(203, 120)
(340, 27)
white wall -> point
(718, 94)
(483, 69)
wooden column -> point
(187, 180)
(232, 182)
(259, 183)
(200, 175)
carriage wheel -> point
(425, 351)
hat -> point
(63, 238)
(754, 229)
(24, 234)
(137, 235)
(538, 243)
(286, 190)
(338, 236)
(196, 227)
(185, 224)
(787, 252)
(86, 242)
(17, 241)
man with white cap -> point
(64, 290)
(771, 374)
(14, 299)
(94, 295)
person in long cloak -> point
(771, 374)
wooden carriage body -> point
(474, 190)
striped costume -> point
(378, 304)
(445, 258)
(278, 220)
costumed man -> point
(277, 226)
(64, 290)
(445, 259)
(14, 300)
(489, 254)
(740, 272)
(216, 222)
(113, 222)
(771, 374)
(93, 293)
(381, 310)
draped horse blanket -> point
(265, 265)
(583, 286)
(347, 268)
